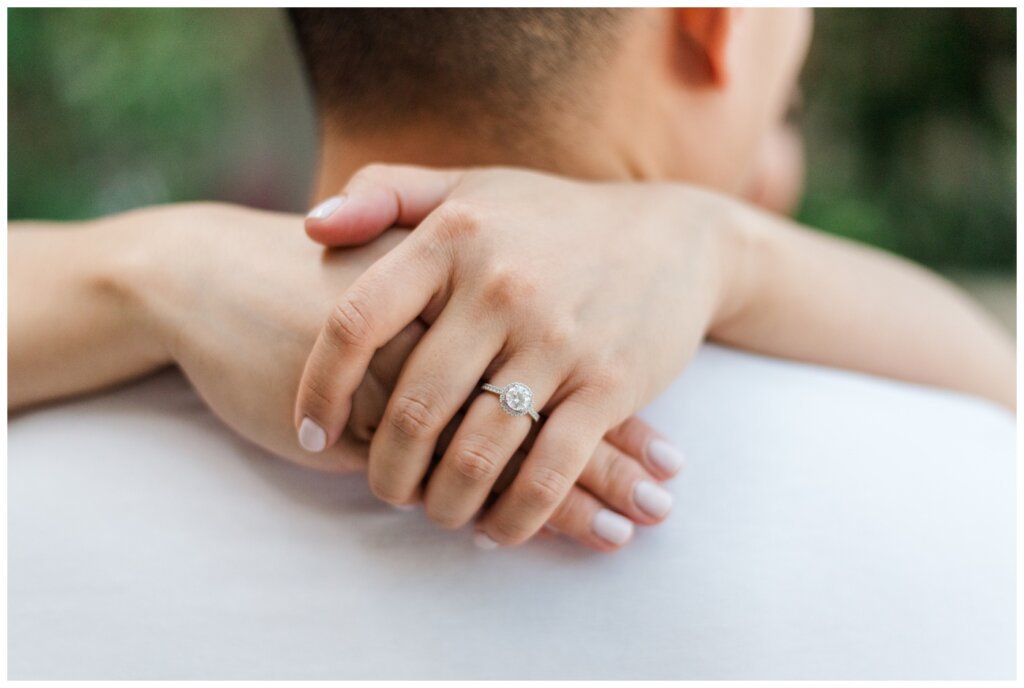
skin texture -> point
(590, 353)
(119, 297)
(692, 94)
(111, 361)
(598, 336)
(689, 95)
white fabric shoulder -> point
(828, 525)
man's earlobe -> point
(706, 33)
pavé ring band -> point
(515, 399)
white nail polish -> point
(326, 208)
(612, 527)
(405, 507)
(312, 437)
(652, 499)
(665, 456)
(483, 541)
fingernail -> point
(405, 507)
(312, 437)
(653, 500)
(665, 456)
(326, 208)
(612, 527)
(482, 541)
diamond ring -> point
(515, 399)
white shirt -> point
(828, 525)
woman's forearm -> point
(811, 297)
(73, 326)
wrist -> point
(721, 234)
(129, 251)
(153, 270)
(742, 252)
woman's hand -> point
(594, 295)
(236, 298)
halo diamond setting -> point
(515, 399)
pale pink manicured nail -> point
(312, 437)
(653, 500)
(405, 507)
(326, 208)
(483, 541)
(612, 527)
(665, 456)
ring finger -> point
(437, 378)
(483, 445)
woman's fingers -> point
(562, 449)
(378, 305)
(371, 397)
(639, 440)
(614, 492)
(620, 482)
(378, 197)
(584, 518)
(483, 445)
(439, 375)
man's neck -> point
(342, 155)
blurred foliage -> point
(909, 117)
(110, 109)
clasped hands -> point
(583, 291)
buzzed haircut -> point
(374, 68)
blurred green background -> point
(909, 117)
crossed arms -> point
(239, 298)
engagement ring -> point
(515, 399)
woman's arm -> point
(800, 294)
(235, 297)
(73, 325)
(776, 288)
(596, 295)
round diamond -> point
(516, 398)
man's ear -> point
(705, 36)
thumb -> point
(378, 197)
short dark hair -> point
(371, 68)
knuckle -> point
(348, 322)
(507, 289)
(477, 460)
(602, 377)
(608, 375)
(556, 335)
(544, 488)
(413, 416)
(457, 220)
